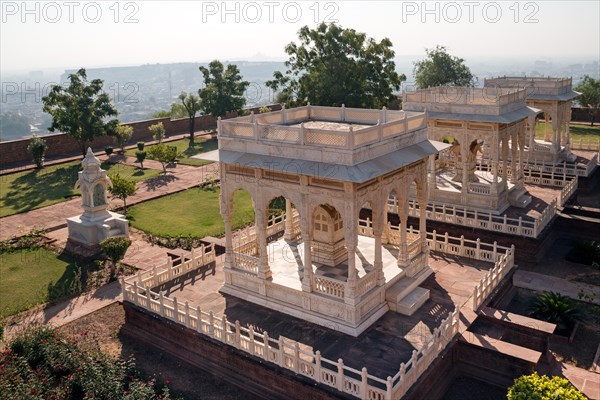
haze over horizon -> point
(57, 36)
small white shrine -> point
(96, 223)
(552, 97)
(331, 267)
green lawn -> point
(578, 132)
(25, 275)
(191, 212)
(184, 152)
(27, 190)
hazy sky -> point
(71, 34)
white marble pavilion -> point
(330, 267)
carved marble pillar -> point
(378, 229)
(226, 208)
(351, 243)
(289, 220)
(431, 173)
(464, 151)
(531, 123)
(264, 271)
(504, 163)
(403, 215)
(513, 158)
(306, 227)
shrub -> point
(140, 156)
(157, 131)
(140, 145)
(557, 309)
(37, 148)
(42, 363)
(108, 150)
(115, 249)
(535, 387)
(122, 135)
(264, 109)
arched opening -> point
(283, 233)
(328, 244)
(475, 149)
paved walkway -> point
(540, 282)
(54, 216)
(64, 312)
(587, 382)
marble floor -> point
(287, 263)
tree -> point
(535, 387)
(37, 148)
(123, 134)
(158, 131)
(140, 156)
(81, 110)
(163, 154)
(332, 66)
(192, 105)
(122, 188)
(442, 69)
(223, 89)
(590, 95)
(177, 111)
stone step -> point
(519, 198)
(402, 288)
(411, 303)
(497, 345)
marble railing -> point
(329, 287)
(492, 278)
(275, 126)
(292, 355)
(167, 271)
(480, 219)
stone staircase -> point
(519, 198)
(405, 296)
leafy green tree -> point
(192, 105)
(158, 131)
(122, 188)
(115, 249)
(223, 89)
(442, 69)
(163, 154)
(123, 134)
(37, 148)
(81, 110)
(13, 126)
(535, 387)
(140, 156)
(177, 111)
(332, 66)
(590, 95)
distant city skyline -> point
(67, 35)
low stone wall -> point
(15, 152)
(225, 362)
